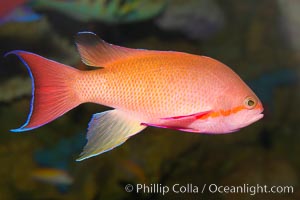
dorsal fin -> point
(96, 52)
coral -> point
(197, 20)
(113, 12)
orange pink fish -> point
(165, 89)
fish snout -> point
(257, 115)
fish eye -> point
(250, 102)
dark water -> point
(258, 39)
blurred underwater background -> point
(258, 39)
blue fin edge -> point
(22, 128)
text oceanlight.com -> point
(211, 188)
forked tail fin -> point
(52, 92)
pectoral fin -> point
(178, 128)
(181, 122)
(194, 116)
(108, 130)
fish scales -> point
(147, 83)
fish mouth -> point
(254, 119)
(259, 114)
(258, 117)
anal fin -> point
(108, 130)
